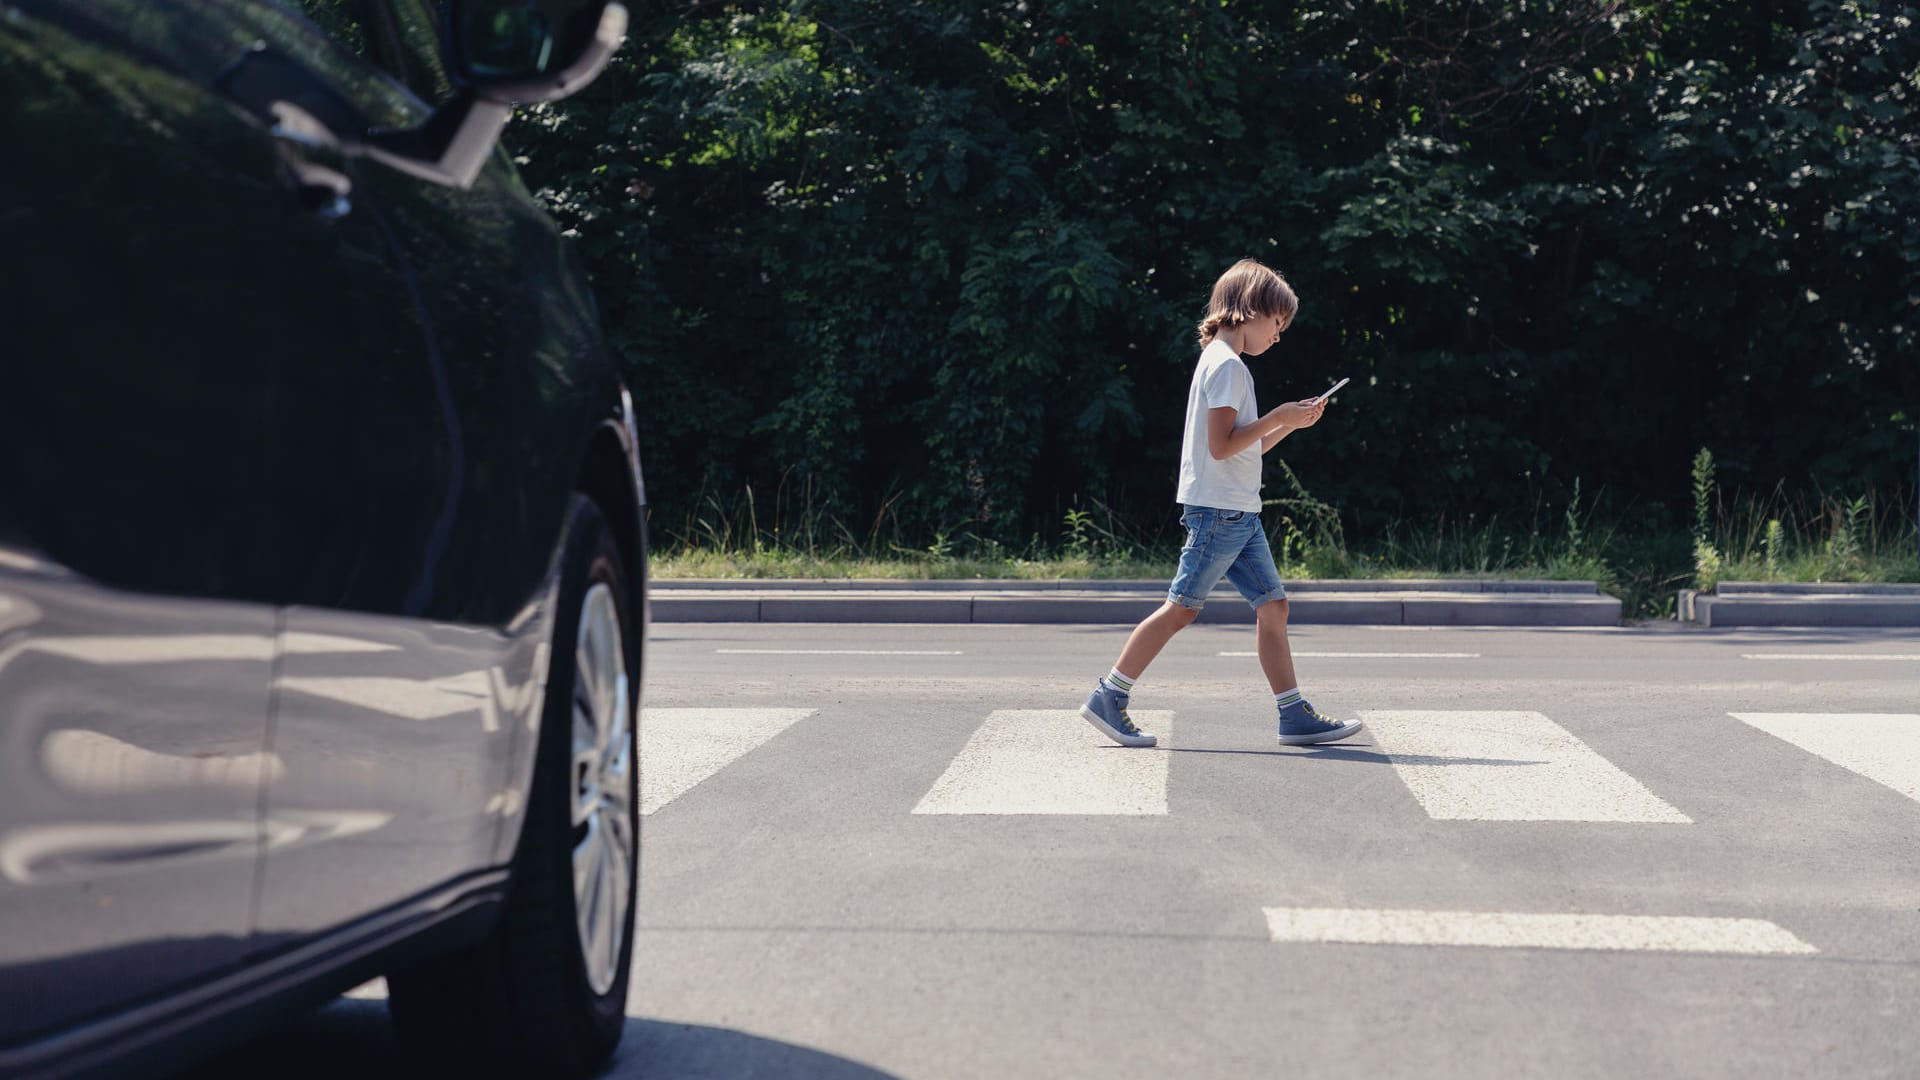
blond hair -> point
(1248, 290)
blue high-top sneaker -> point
(1301, 724)
(1106, 710)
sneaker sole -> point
(1341, 732)
(1117, 736)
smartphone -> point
(1330, 391)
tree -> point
(944, 258)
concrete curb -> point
(1123, 603)
(1762, 603)
(1152, 585)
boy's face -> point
(1261, 332)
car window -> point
(341, 22)
(203, 41)
(401, 37)
(417, 23)
(331, 48)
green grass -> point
(1826, 538)
(1644, 562)
(1843, 542)
(769, 562)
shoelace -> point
(1320, 718)
(1126, 723)
(1314, 714)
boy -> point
(1219, 493)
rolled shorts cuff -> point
(1187, 602)
(1277, 594)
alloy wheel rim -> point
(603, 835)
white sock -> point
(1116, 682)
(1286, 697)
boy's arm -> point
(1225, 440)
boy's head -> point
(1250, 293)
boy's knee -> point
(1179, 614)
(1273, 611)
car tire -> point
(544, 994)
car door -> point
(394, 484)
(146, 227)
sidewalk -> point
(1439, 602)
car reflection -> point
(88, 852)
(86, 762)
(411, 699)
(49, 854)
(133, 749)
(169, 648)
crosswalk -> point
(1494, 768)
(1458, 765)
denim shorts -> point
(1224, 543)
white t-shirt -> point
(1220, 379)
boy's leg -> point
(1254, 574)
(1270, 640)
(1106, 707)
(1151, 636)
(1200, 567)
(1258, 580)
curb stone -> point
(1763, 603)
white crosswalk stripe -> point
(1459, 765)
(1051, 761)
(1830, 656)
(681, 747)
(838, 652)
(1529, 930)
(1508, 766)
(1879, 746)
(1299, 655)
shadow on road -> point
(1344, 752)
(355, 1038)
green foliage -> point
(1706, 566)
(1850, 518)
(1643, 562)
(1706, 557)
(936, 264)
(1309, 538)
(1702, 495)
(1778, 538)
(1575, 541)
(1079, 526)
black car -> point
(322, 546)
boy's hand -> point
(1303, 413)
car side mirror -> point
(525, 51)
(503, 53)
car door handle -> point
(314, 129)
(314, 164)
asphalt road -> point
(895, 851)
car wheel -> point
(545, 993)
